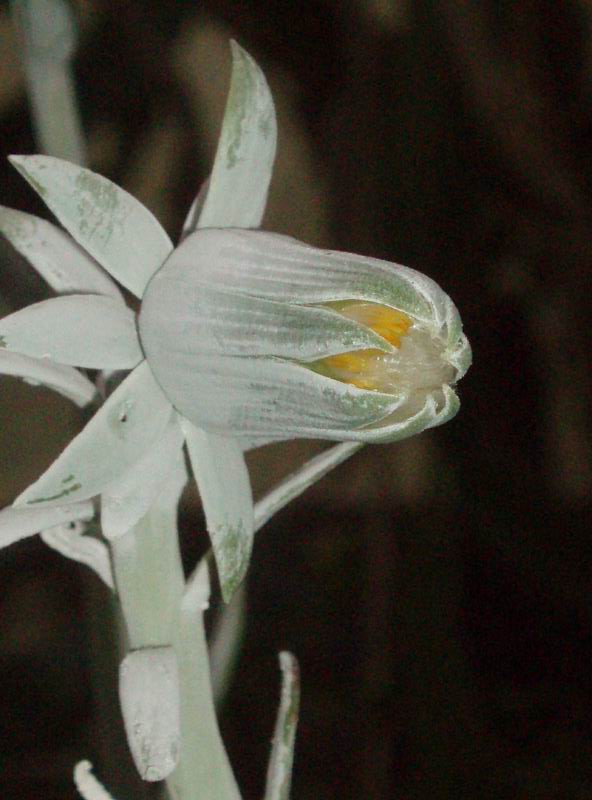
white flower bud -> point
(261, 337)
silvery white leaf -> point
(252, 398)
(56, 256)
(279, 773)
(246, 150)
(85, 330)
(132, 420)
(293, 485)
(151, 705)
(124, 504)
(88, 786)
(224, 487)
(19, 523)
(65, 380)
(111, 225)
(69, 541)
(222, 323)
(277, 267)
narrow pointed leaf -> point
(151, 706)
(132, 420)
(279, 774)
(65, 380)
(223, 481)
(70, 542)
(124, 504)
(246, 150)
(111, 225)
(55, 255)
(90, 331)
(19, 523)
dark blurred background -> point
(437, 592)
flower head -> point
(243, 337)
(263, 337)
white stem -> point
(48, 32)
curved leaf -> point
(111, 225)
(65, 380)
(83, 330)
(132, 420)
(55, 255)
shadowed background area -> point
(437, 592)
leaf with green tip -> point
(133, 419)
(223, 481)
(111, 225)
(239, 182)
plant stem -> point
(159, 613)
(48, 34)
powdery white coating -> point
(240, 177)
(125, 501)
(279, 773)
(150, 702)
(112, 226)
(83, 330)
(56, 256)
(218, 463)
(243, 371)
(132, 420)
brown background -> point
(437, 592)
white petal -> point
(277, 267)
(151, 706)
(111, 225)
(69, 541)
(175, 309)
(65, 380)
(279, 773)
(82, 330)
(124, 504)
(296, 483)
(254, 398)
(223, 481)
(246, 150)
(88, 786)
(19, 523)
(132, 420)
(57, 258)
